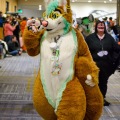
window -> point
(7, 6)
(15, 8)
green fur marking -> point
(67, 26)
(86, 21)
(51, 7)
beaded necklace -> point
(55, 47)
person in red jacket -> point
(8, 30)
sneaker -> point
(106, 103)
(8, 55)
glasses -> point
(53, 15)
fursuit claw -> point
(89, 81)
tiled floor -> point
(16, 81)
(113, 96)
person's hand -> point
(34, 25)
(16, 24)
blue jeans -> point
(15, 52)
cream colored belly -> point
(54, 85)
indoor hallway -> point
(16, 82)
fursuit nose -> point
(45, 23)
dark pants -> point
(17, 37)
(106, 70)
(8, 38)
(103, 80)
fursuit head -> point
(58, 17)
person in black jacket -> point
(102, 47)
(13, 47)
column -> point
(118, 12)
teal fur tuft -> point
(51, 7)
(67, 26)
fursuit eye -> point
(55, 16)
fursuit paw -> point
(34, 25)
(89, 81)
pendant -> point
(102, 53)
(56, 69)
(53, 45)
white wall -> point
(31, 13)
(83, 9)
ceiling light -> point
(110, 0)
(40, 7)
(73, 0)
(89, 1)
(105, 2)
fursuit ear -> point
(79, 21)
(91, 18)
(46, 2)
(74, 17)
(63, 3)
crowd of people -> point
(112, 28)
(11, 31)
(104, 45)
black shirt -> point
(108, 44)
(13, 46)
